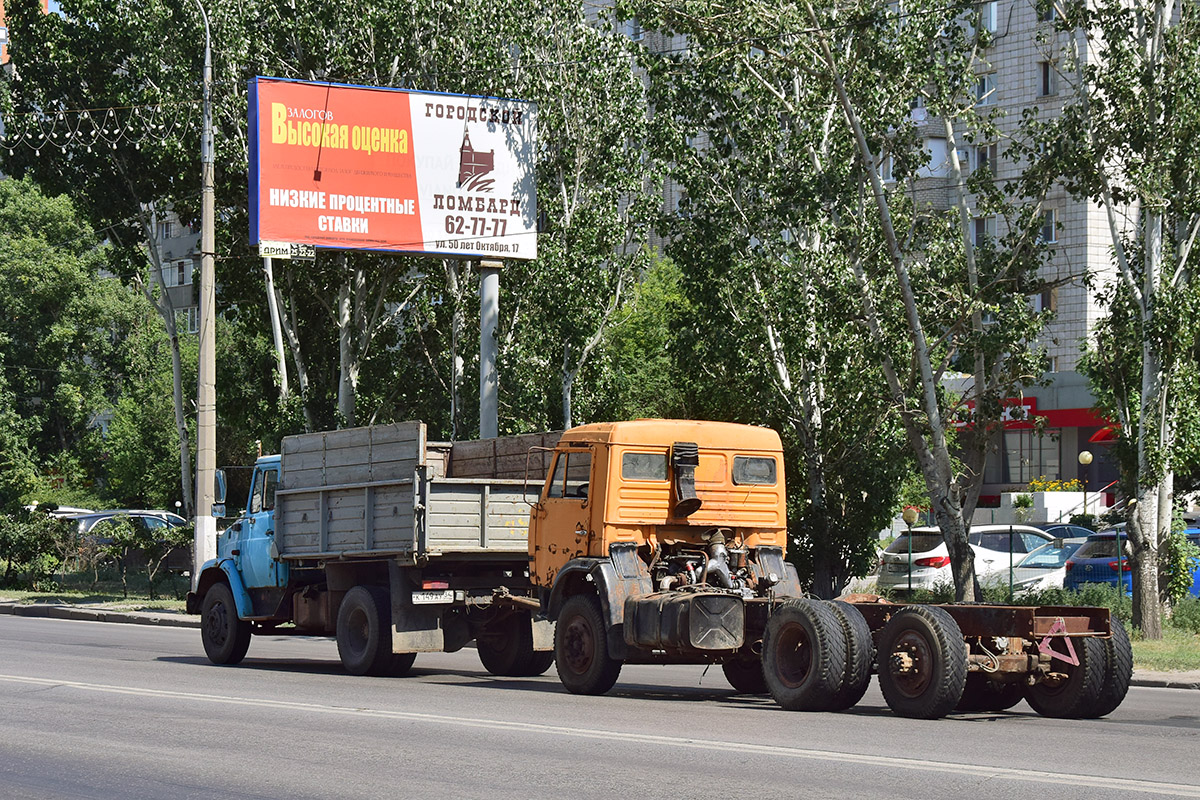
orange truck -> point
(646, 541)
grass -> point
(1177, 650)
(88, 589)
(113, 600)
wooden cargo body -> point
(383, 491)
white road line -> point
(921, 765)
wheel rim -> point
(217, 624)
(793, 655)
(911, 679)
(580, 648)
(358, 631)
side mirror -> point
(220, 488)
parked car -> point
(1044, 568)
(1064, 530)
(995, 547)
(1106, 554)
(150, 520)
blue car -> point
(1105, 555)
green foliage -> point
(27, 544)
(1178, 561)
(1088, 521)
(1185, 614)
(1023, 501)
(133, 544)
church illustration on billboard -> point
(473, 165)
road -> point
(94, 710)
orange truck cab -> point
(661, 541)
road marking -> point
(976, 770)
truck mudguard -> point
(241, 598)
(615, 578)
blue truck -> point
(392, 544)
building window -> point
(188, 319)
(983, 229)
(166, 230)
(989, 14)
(1029, 454)
(1047, 11)
(633, 29)
(985, 90)
(1047, 79)
(885, 169)
(177, 273)
(1046, 300)
(985, 157)
(1049, 231)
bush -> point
(1186, 615)
(27, 545)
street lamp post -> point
(910, 516)
(206, 391)
(1085, 458)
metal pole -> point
(206, 390)
(489, 320)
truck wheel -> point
(860, 655)
(982, 694)
(745, 675)
(364, 631)
(401, 664)
(1078, 692)
(804, 655)
(922, 663)
(1117, 674)
(581, 648)
(506, 649)
(226, 638)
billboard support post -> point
(489, 379)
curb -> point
(161, 618)
(1165, 680)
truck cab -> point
(660, 541)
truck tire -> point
(401, 664)
(364, 631)
(226, 638)
(1074, 696)
(804, 655)
(1117, 674)
(506, 649)
(745, 675)
(922, 663)
(581, 647)
(860, 655)
(982, 694)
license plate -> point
(897, 568)
(437, 596)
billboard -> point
(366, 168)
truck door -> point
(560, 529)
(257, 566)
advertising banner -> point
(365, 168)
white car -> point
(1044, 568)
(995, 546)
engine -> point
(712, 565)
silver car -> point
(996, 547)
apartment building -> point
(1022, 67)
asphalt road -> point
(89, 710)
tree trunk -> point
(345, 396)
(454, 284)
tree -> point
(1130, 142)
(126, 163)
(839, 80)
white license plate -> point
(438, 596)
(897, 568)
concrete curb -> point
(162, 618)
(1166, 680)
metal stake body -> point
(489, 320)
(206, 391)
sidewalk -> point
(101, 613)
